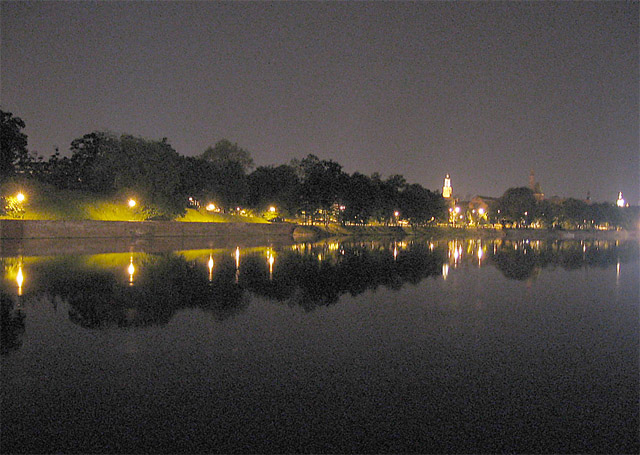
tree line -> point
(518, 207)
(167, 183)
(317, 191)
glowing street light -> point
(481, 211)
(132, 203)
(272, 209)
(20, 197)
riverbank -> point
(267, 232)
(318, 231)
(92, 229)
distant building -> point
(621, 202)
(447, 191)
(535, 187)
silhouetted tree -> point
(13, 143)
(518, 205)
(274, 185)
(225, 151)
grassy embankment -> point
(45, 203)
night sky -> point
(484, 91)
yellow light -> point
(272, 209)
(132, 203)
(131, 269)
(20, 197)
(210, 207)
(20, 279)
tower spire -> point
(446, 188)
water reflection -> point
(12, 326)
(156, 286)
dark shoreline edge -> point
(41, 238)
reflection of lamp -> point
(270, 261)
(210, 265)
(131, 269)
(237, 255)
(19, 279)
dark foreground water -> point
(415, 346)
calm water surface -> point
(376, 346)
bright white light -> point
(272, 209)
(210, 207)
(20, 197)
(457, 209)
(132, 203)
(481, 211)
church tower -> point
(446, 189)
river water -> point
(331, 347)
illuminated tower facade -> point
(446, 188)
(620, 202)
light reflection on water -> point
(367, 346)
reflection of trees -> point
(515, 264)
(11, 325)
(308, 276)
(164, 284)
(308, 281)
(521, 260)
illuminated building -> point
(446, 189)
(620, 202)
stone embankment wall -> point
(35, 229)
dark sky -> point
(484, 91)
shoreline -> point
(163, 231)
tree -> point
(574, 213)
(274, 185)
(92, 165)
(13, 143)
(421, 206)
(518, 205)
(224, 152)
(322, 183)
(359, 198)
(152, 170)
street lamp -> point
(132, 203)
(20, 197)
